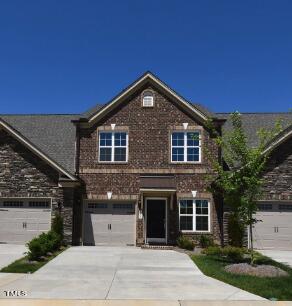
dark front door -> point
(156, 220)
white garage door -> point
(109, 224)
(275, 228)
(23, 219)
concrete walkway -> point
(10, 252)
(36, 302)
(120, 273)
(279, 255)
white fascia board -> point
(167, 89)
(278, 142)
(36, 150)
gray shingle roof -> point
(252, 122)
(54, 135)
(92, 110)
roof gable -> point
(33, 148)
(148, 78)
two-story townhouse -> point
(143, 166)
(133, 171)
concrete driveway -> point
(124, 273)
(279, 255)
(10, 252)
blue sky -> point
(65, 56)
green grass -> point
(279, 288)
(22, 265)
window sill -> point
(112, 163)
(196, 232)
(185, 163)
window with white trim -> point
(185, 147)
(194, 215)
(148, 98)
(113, 147)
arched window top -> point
(148, 98)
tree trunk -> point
(251, 244)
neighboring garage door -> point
(109, 224)
(275, 228)
(23, 219)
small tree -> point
(241, 183)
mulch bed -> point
(260, 271)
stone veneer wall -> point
(23, 174)
(149, 153)
(278, 174)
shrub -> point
(236, 231)
(206, 241)
(35, 249)
(58, 225)
(41, 245)
(54, 241)
(45, 242)
(213, 251)
(233, 254)
(185, 243)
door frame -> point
(159, 240)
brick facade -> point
(149, 131)
(23, 174)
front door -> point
(156, 220)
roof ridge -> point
(260, 113)
(39, 114)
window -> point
(113, 147)
(97, 205)
(194, 215)
(148, 99)
(265, 206)
(185, 147)
(38, 204)
(123, 206)
(13, 204)
(285, 207)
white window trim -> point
(113, 146)
(185, 147)
(194, 215)
(148, 94)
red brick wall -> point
(149, 150)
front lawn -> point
(23, 265)
(279, 288)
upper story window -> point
(185, 147)
(113, 147)
(148, 98)
(194, 215)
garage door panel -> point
(11, 225)
(21, 224)
(275, 230)
(109, 223)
